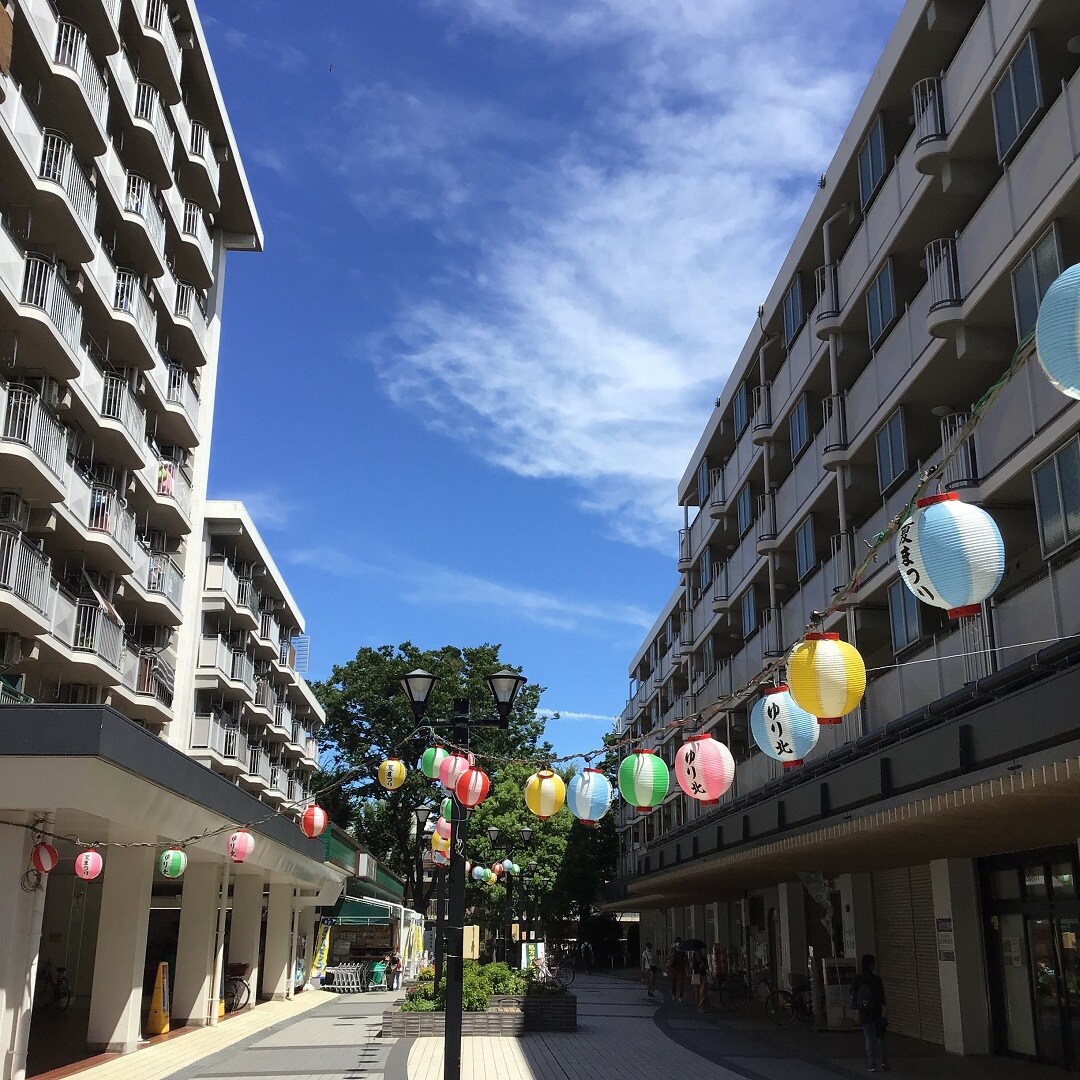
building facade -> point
(937, 824)
(149, 684)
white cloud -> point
(269, 508)
(565, 714)
(424, 584)
(285, 58)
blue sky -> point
(512, 249)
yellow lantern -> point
(826, 677)
(392, 774)
(545, 793)
(439, 844)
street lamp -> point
(422, 814)
(525, 834)
(418, 685)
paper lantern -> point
(1057, 333)
(431, 761)
(826, 677)
(442, 827)
(704, 768)
(545, 793)
(451, 769)
(478, 873)
(446, 809)
(440, 858)
(588, 795)
(508, 865)
(241, 845)
(515, 869)
(438, 843)
(88, 864)
(950, 554)
(172, 863)
(392, 774)
(44, 857)
(468, 866)
(472, 787)
(644, 780)
(783, 731)
(497, 869)
(314, 821)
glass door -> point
(1046, 981)
(1068, 929)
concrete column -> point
(793, 939)
(246, 927)
(965, 1009)
(21, 914)
(195, 945)
(276, 976)
(857, 910)
(120, 954)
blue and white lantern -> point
(478, 873)
(588, 795)
(508, 865)
(783, 731)
(1057, 333)
(950, 554)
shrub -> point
(502, 979)
(426, 974)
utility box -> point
(471, 948)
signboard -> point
(471, 948)
(530, 951)
(837, 975)
(946, 942)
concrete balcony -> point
(827, 319)
(257, 772)
(33, 446)
(146, 689)
(834, 445)
(92, 637)
(767, 531)
(140, 202)
(25, 579)
(268, 637)
(717, 493)
(261, 709)
(169, 491)
(841, 566)
(203, 174)
(761, 421)
(176, 402)
(946, 296)
(218, 741)
(96, 520)
(160, 55)
(931, 131)
(225, 592)
(198, 251)
(151, 124)
(189, 339)
(134, 317)
(155, 589)
(278, 789)
(105, 407)
(225, 670)
(686, 554)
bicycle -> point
(783, 1006)
(550, 973)
(53, 989)
(736, 990)
(237, 993)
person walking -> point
(648, 968)
(677, 971)
(396, 968)
(587, 957)
(868, 997)
(699, 978)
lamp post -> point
(525, 834)
(422, 813)
(504, 686)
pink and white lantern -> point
(704, 768)
(451, 769)
(442, 827)
(88, 864)
(241, 845)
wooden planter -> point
(506, 1015)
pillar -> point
(793, 939)
(21, 913)
(120, 954)
(195, 945)
(961, 966)
(246, 927)
(276, 974)
(857, 911)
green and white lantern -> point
(173, 863)
(644, 780)
(431, 760)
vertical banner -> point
(157, 1023)
(322, 952)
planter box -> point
(506, 1015)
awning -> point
(349, 911)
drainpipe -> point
(771, 557)
(217, 978)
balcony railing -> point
(959, 453)
(148, 107)
(268, 627)
(762, 405)
(258, 764)
(265, 697)
(195, 226)
(717, 489)
(27, 421)
(140, 200)
(222, 736)
(119, 404)
(278, 777)
(311, 748)
(828, 291)
(131, 299)
(97, 631)
(156, 18)
(841, 560)
(287, 654)
(60, 166)
(684, 546)
(24, 570)
(200, 147)
(214, 652)
(766, 516)
(928, 98)
(165, 577)
(248, 596)
(771, 632)
(181, 391)
(109, 514)
(834, 423)
(191, 306)
(150, 674)
(43, 288)
(943, 274)
(171, 482)
(73, 52)
(10, 696)
(721, 592)
(243, 669)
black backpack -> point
(866, 995)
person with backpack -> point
(587, 957)
(677, 971)
(868, 997)
(648, 967)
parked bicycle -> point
(237, 991)
(52, 988)
(737, 989)
(783, 1006)
(553, 973)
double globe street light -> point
(525, 835)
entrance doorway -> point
(1032, 919)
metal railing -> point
(10, 696)
(73, 52)
(156, 18)
(684, 546)
(978, 656)
(60, 166)
(721, 592)
(199, 146)
(827, 279)
(928, 99)
(265, 697)
(119, 404)
(960, 469)
(109, 514)
(243, 669)
(195, 226)
(132, 300)
(148, 107)
(27, 421)
(181, 391)
(943, 274)
(24, 570)
(165, 577)
(278, 777)
(286, 653)
(717, 488)
(269, 630)
(140, 200)
(762, 408)
(97, 631)
(841, 560)
(222, 736)
(258, 764)
(171, 482)
(150, 674)
(190, 306)
(834, 423)
(248, 596)
(44, 289)
(771, 631)
(766, 516)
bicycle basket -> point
(237, 971)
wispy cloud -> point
(285, 58)
(270, 158)
(270, 509)
(566, 714)
(425, 585)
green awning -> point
(350, 912)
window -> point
(744, 508)
(1017, 98)
(740, 409)
(703, 482)
(891, 451)
(794, 316)
(805, 548)
(872, 163)
(903, 616)
(704, 571)
(1057, 497)
(799, 427)
(749, 613)
(708, 657)
(1032, 278)
(881, 303)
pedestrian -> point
(677, 971)
(868, 997)
(587, 957)
(648, 968)
(699, 978)
(395, 970)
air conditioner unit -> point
(11, 649)
(14, 511)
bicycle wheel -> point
(734, 994)
(240, 995)
(781, 1007)
(564, 975)
(63, 995)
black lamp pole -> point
(508, 908)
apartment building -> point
(937, 825)
(149, 682)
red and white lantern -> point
(451, 770)
(44, 858)
(88, 864)
(472, 787)
(314, 821)
(704, 768)
(241, 845)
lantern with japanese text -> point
(451, 769)
(545, 793)
(88, 865)
(1057, 332)
(438, 843)
(950, 554)
(241, 845)
(472, 787)
(704, 768)
(644, 780)
(826, 677)
(44, 857)
(783, 731)
(172, 863)
(392, 774)
(431, 761)
(314, 821)
(588, 795)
